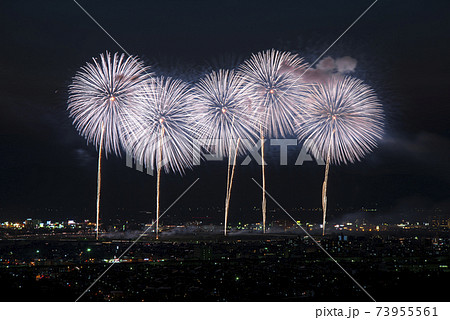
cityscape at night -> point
(193, 261)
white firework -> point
(225, 113)
(341, 118)
(162, 126)
(277, 86)
(275, 82)
(341, 122)
(100, 95)
(160, 133)
(226, 119)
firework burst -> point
(226, 119)
(160, 133)
(98, 99)
(341, 121)
(275, 82)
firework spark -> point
(341, 121)
(226, 119)
(160, 133)
(274, 79)
(98, 98)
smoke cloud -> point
(329, 66)
(346, 64)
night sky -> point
(402, 50)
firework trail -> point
(263, 172)
(341, 122)
(99, 181)
(273, 79)
(324, 188)
(230, 177)
(226, 119)
(160, 134)
(99, 96)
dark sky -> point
(402, 51)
